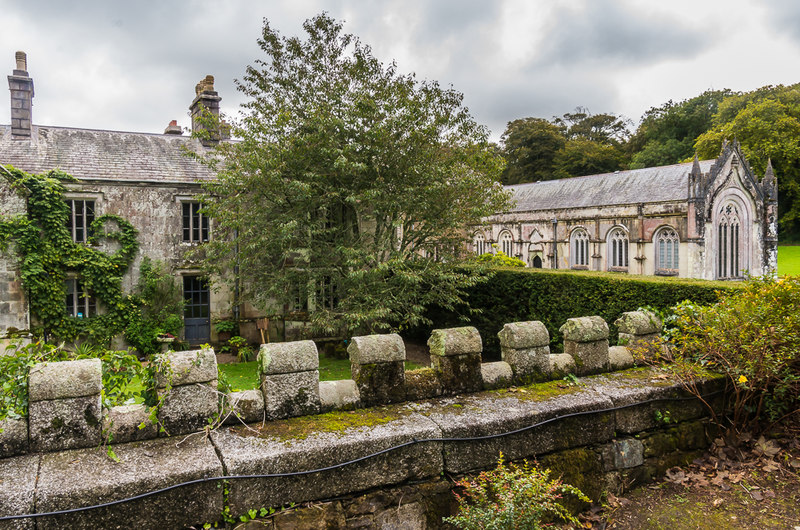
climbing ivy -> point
(47, 255)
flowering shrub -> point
(753, 337)
(512, 496)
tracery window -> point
(617, 248)
(579, 248)
(728, 229)
(667, 246)
(479, 243)
(507, 243)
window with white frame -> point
(579, 248)
(667, 246)
(728, 230)
(617, 248)
(81, 217)
(507, 243)
(195, 224)
(79, 302)
(479, 244)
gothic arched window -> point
(617, 244)
(667, 246)
(507, 243)
(728, 230)
(479, 243)
(579, 248)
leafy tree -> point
(767, 124)
(667, 133)
(582, 156)
(530, 147)
(351, 187)
(606, 129)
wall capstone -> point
(456, 357)
(289, 378)
(586, 339)
(377, 366)
(525, 346)
(192, 398)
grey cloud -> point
(784, 15)
(605, 30)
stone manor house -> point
(708, 219)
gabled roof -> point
(654, 184)
(106, 155)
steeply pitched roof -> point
(108, 155)
(654, 184)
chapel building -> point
(710, 219)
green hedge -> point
(516, 295)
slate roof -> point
(654, 184)
(107, 155)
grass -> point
(244, 376)
(789, 260)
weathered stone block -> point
(121, 424)
(18, 478)
(496, 375)
(422, 383)
(245, 406)
(13, 437)
(371, 349)
(529, 363)
(315, 448)
(65, 423)
(188, 408)
(338, 395)
(459, 373)
(619, 358)
(292, 394)
(406, 516)
(585, 329)
(380, 383)
(590, 357)
(324, 515)
(189, 367)
(639, 323)
(561, 364)
(288, 357)
(524, 335)
(455, 341)
(82, 478)
(623, 454)
(65, 379)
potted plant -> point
(224, 328)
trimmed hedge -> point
(516, 295)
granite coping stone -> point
(13, 436)
(85, 477)
(246, 455)
(65, 379)
(18, 479)
(523, 335)
(639, 323)
(288, 357)
(189, 367)
(488, 414)
(455, 341)
(585, 329)
(377, 349)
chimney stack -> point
(206, 103)
(21, 87)
(173, 128)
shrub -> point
(753, 337)
(512, 496)
(517, 295)
(499, 259)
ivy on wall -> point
(48, 256)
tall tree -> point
(766, 122)
(352, 186)
(530, 146)
(666, 134)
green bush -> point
(517, 295)
(511, 497)
(160, 303)
(499, 259)
(753, 337)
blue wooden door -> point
(196, 314)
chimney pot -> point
(22, 61)
(173, 128)
(206, 101)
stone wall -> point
(13, 305)
(605, 427)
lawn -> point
(244, 376)
(789, 260)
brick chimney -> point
(206, 101)
(173, 128)
(21, 87)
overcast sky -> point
(132, 66)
